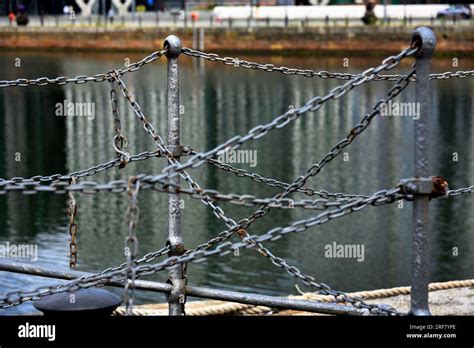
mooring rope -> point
(203, 308)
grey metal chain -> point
(62, 80)
(300, 181)
(316, 168)
(148, 127)
(276, 259)
(275, 183)
(218, 212)
(268, 253)
(237, 141)
(119, 186)
(197, 255)
(241, 63)
(150, 182)
(313, 170)
(379, 198)
(460, 191)
(131, 244)
(47, 179)
(289, 116)
(120, 141)
(72, 212)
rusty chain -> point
(72, 212)
(120, 141)
(131, 244)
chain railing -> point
(331, 205)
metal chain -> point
(290, 266)
(264, 250)
(275, 183)
(197, 255)
(312, 171)
(289, 116)
(131, 244)
(460, 191)
(393, 61)
(47, 179)
(256, 132)
(240, 63)
(148, 127)
(379, 198)
(62, 80)
(151, 182)
(72, 212)
(336, 150)
(120, 141)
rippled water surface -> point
(220, 102)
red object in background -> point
(194, 16)
(11, 17)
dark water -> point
(220, 102)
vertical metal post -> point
(195, 38)
(202, 39)
(420, 246)
(175, 239)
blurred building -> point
(36, 7)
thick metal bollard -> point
(176, 298)
(420, 246)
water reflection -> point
(220, 102)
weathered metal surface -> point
(434, 186)
(426, 40)
(92, 301)
(172, 174)
(176, 297)
(194, 291)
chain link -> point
(460, 191)
(72, 212)
(240, 63)
(120, 142)
(81, 79)
(314, 169)
(48, 179)
(275, 183)
(131, 244)
(292, 114)
(148, 127)
(199, 254)
(344, 204)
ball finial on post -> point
(173, 46)
(425, 38)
